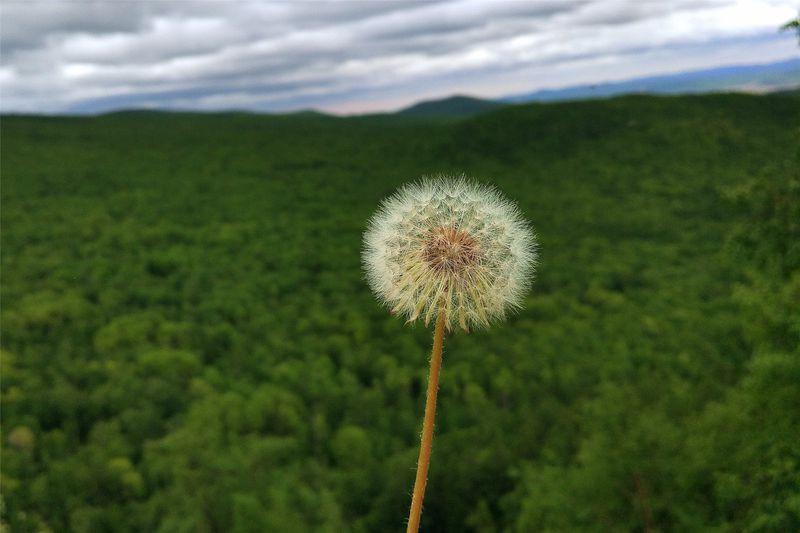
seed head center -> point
(450, 250)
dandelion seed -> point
(453, 251)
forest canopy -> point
(189, 343)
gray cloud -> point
(347, 55)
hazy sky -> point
(352, 56)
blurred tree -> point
(793, 25)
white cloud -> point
(353, 55)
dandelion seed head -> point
(449, 244)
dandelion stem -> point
(427, 427)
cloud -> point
(85, 56)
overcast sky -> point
(353, 56)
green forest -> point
(189, 345)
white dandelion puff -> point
(451, 250)
(452, 246)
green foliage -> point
(188, 344)
(793, 25)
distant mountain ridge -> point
(746, 78)
(453, 106)
(782, 76)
